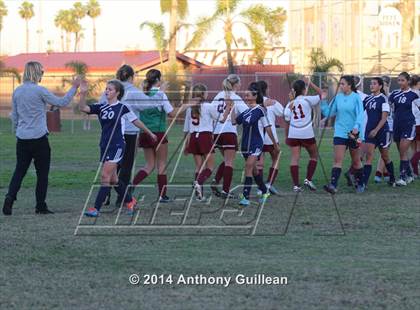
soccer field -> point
(371, 261)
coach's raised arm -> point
(29, 104)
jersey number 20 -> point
(296, 116)
(108, 115)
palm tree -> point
(93, 10)
(176, 9)
(78, 67)
(158, 33)
(78, 12)
(26, 11)
(9, 71)
(320, 63)
(259, 20)
(59, 21)
(3, 13)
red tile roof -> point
(96, 61)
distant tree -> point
(259, 20)
(26, 11)
(9, 71)
(3, 13)
(77, 13)
(78, 67)
(158, 33)
(320, 63)
(93, 10)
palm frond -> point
(204, 26)
(78, 67)
(225, 6)
(271, 19)
(158, 33)
(165, 7)
(258, 42)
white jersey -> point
(416, 110)
(273, 111)
(239, 106)
(301, 117)
(208, 115)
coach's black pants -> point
(126, 164)
(26, 150)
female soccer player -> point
(349, 126)
(416, 112)
(301, 133)
(112, 116)
(273, 111)
(225, 134)
(377, 130)
(254, 121)
(199, 120)
(155, 151)
(404, 124)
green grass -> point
(45, 266)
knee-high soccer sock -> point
(415, 163)
(140, 176)
(162, 182)
(247, 187)
(203, 176)
(294, 171)
(195, 176)
(378, 174)
(261, 172)
(335, 176)
(101, 196)
(404, 165)
(390, 168)
(260, 183)
(272, 175)
(227, 178)
(219, 173)
(358, 174)
(311, 169)
(367, 170)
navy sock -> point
(121, 188)
(390, 168)
(367, 170)
(335, 175)
(247, 186)
(404, 169)
(101, 196)
(260, 182)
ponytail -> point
(230, 81)
(299, 87)
(198, 91)
(124, 73)
(350, 80)
(152, 77)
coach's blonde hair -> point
(230, 81)
(33, 72)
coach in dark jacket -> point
(29, 104)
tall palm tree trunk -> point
(94, 35)
(27, 35)
(228, 41)
(172, 35)
(62, 40)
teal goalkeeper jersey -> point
(349, 113)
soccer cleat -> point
(330, 189)
(309, 184)
(201, 199)
(215, 188)
(350, 178)
(409, 179)
(7, 206)
(378, 179)
(259, 193)
(244, 202)
(264, 197)
(131, 205)
(401, 182)
(297, 189)
(360, 188)
(164, 199)
(386, 179)
(272, 189)
(92, 212)
(198, 190)
(225, 195)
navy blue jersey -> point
(253, 121)
(112, 118)
(374, 106)
(402, 101)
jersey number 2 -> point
(296, 116)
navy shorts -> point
(404, 131)
(347, 142)
(381, 140)
(113, 154)
(255, 150)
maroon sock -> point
(203, 176)
(195, 176)
(415, 163)
(311, 169)
(219, 173)
(261, 172)
(386, 174)
(294, 170)
(162, 182)
(227, 178)
(378, 174)
(140, 176)
(272, 175)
